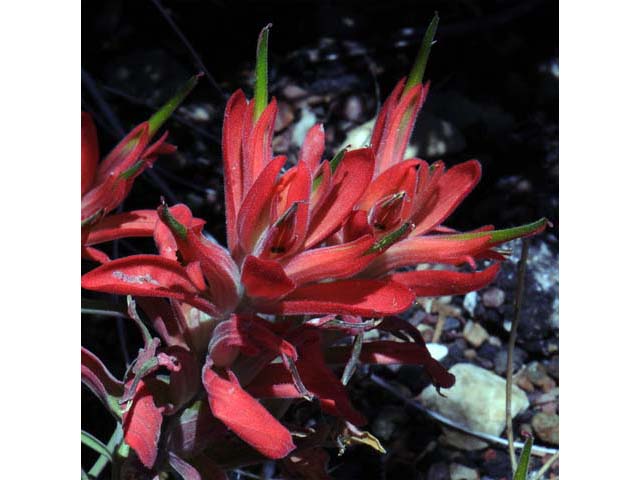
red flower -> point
(322, 239)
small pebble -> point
(353, 108)
(493, 297)
(451, 323)
(547, 427)
(475, 334)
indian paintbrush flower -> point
(313, 257)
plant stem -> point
(522, 266)
(97, 468)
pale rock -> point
(476, 401)
(470, 301)
(475, 334)
(437, 350)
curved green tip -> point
(160, 117)
(505, 235)
(260, 94)
(417, 72)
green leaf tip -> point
(388, 240)
(333, 165)
(523, 463)
(417, 72)
(260, 94)
(501, 236)
(175, 226)
(161, 116)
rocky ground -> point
(494, 97)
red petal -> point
(373, 298)
(232, 158)
(454, 185)
(334, 262)
(253, 216)
(138, 223)
(164, 319)
(245, 416)
(142, 424)
(90, 152)
(313, 147)
(249, 334)
(400, 125)
(356, 226)
(125, 154)
(431, 249)
(146, 275)
(90, 253)
(389, 182)
(437, 283)
(350, 180)
(258, 152)
(265, 279)
(275, 382)
(382, 121)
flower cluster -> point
(316, 254)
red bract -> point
(312, 256)
(105, 184)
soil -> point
(494, 84)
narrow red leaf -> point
(265, 279)
(142, 424)
(356, 297)
(389, 182)
(382, 121)
(400, 125)
(452, 187)
(349, 181)
(339, 261)
(313, 147)
(437, 283)
(429, 249)
(258, 152)
(245, 416)
(146, 275)
(253, 216)
(137, 223)
(232, 157)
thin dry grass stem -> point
(522, 267)
(539, 451)
(547, 465)
(187, 44)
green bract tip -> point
(501, 236)
(388, 240)
(523, 464)
(417, 72)
(175, 226)
(260, 93)
(157, 119)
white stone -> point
(437, 350)
(476, 401)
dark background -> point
(492, 80)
